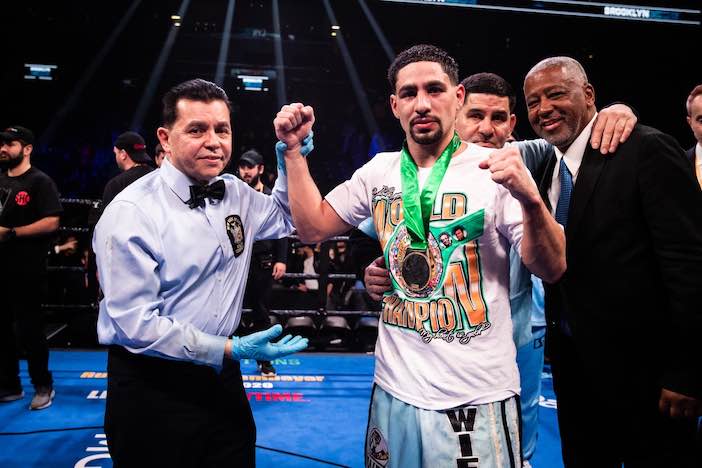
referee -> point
(173, 251)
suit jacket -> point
(632, 293)
(691, 154)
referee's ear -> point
(163, 134)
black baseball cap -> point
(17, 133)
(134, 145)
(251, 158)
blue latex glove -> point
(258, 345)
(280, 147)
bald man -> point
(625, 319)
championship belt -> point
(416, 270)
(417, 273)
(417, 265)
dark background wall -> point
(650, 66)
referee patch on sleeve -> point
(235, 231)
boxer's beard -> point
(428, 138)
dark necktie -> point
(564, 199)
(562, 218)
(198, 193)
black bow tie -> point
(198, 193)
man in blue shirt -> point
(173, 251)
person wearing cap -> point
(29, 214)
(159, 154)
(173, 252)
(268, 259)
(4, 161)
(132, 160)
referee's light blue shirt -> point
(173, 285)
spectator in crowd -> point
(308, 267)
(29, 214)
(67, 287)
(339, 262)
(132, 160)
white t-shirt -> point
(451, 345)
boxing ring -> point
(313, 413)
(331, 330)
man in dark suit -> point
(625, 319)
(694, 120)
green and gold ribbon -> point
(416, 206)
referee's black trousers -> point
(178, 414)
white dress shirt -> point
(573, 157)
(698, 162)
(173, 284)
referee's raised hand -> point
(293, 123)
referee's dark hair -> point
(195, 90)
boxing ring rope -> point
(320, 314)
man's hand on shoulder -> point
(612, 127)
